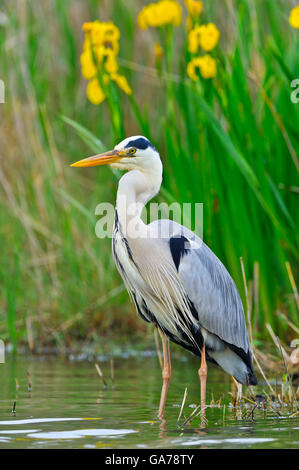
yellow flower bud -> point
(159, 53)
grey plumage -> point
(174, 279)
(217, 314)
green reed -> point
(230, 143)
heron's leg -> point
(203, 372)
(166, 372)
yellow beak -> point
(102, 159)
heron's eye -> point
(132, 151)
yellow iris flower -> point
(204, 36)
(99, 57)
(194, 7)
(101, 33)
(294, 17)
(164, 12)
(206, 66)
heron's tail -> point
(234, 365)
(247, 378)
(251, 378)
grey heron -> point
(174, 279)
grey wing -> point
(214, 295)
(208, 285)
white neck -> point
(135, 189)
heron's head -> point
(132, 153)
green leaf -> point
(280, 202)
(91, 218)
(93, 142)
(228, 144)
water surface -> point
(68, 407)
